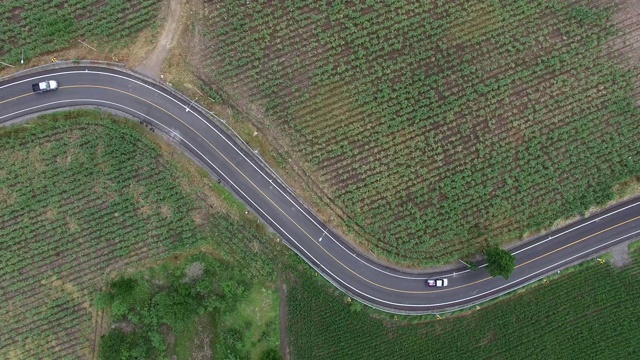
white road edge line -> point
(418, 277)
(229, 143)
(329, 272)
(213, 165)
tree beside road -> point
(500, 262)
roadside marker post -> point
(194, 100)
(87, 45)
(323, 233)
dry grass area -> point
(170, 20)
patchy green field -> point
(436, 126)
(39, 27)
(85, 196)
(589, 313)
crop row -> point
(565, 316)
(85, 204)
(38, 27)
(436, 126)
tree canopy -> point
(500, 262)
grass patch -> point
(235, 205)
(152, 308)
(198, 339)
(259, 312)
(634, 246)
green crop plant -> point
(564, 315)
(423, 121)
(83, 195)
(36, 27)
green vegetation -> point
(87, 210)
(118, 345)
(39, 27)
(85, 196)
(589, 313)
(197, 339)
(500, 262)
(170, 299)
(436, 125)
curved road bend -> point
(364, 279)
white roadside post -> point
(194, 100)
(87, 45)
(323, 233)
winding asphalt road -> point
(368, 281)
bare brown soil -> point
(100, 327)
(627, 18)
(152, 64)
(182, 57)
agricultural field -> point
(86, 197)
(589, 313)
(430, 128)
(40, 27)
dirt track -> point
(152, 65)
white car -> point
(49, 85)
(437, 282)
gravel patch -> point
(620, 255)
